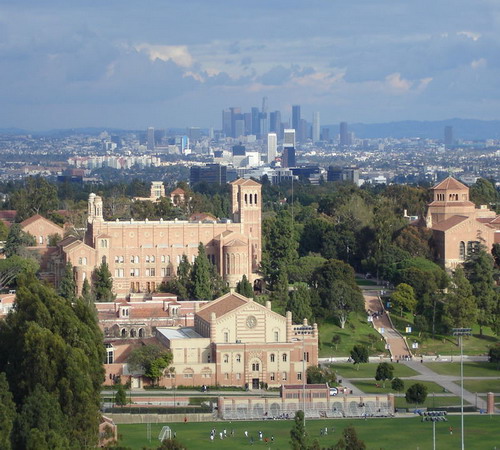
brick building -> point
(143, 254)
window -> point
(162, 259)
(226, 336)
(276, 336)
(134, 272)
(283, 376)
(110, 354)
(40, 240)
(238, 358)
(178, 259)
(284, 357)
(132, 259)
(147, 258)
(238, 376)
(152, 272)
(152, 258)
(226, 358)
(272, 357)
(104, 243)
(462, 250)
(255, 367)
(119, 273)
(117, 259)
(226, 376)
(136, 259)
(299, 376)
(272, 376)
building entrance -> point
(255, 383)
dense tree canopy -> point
(58, 349)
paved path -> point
(397, 345)
(450, 383)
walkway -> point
(397, 345)
(450, 383)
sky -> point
(163, 63)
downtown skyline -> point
(130, 65)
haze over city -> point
(176, 64)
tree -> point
(299, 303)
(320, 375)
(336, 340)
(57, 347)
(121, 395)
(359, 354)
(298, 436)
(171, 444)
(403, 297)
(279, 294)
(17, 241)
(151, 359)
(7, 413)
(4, 231)
(67, 286)
(11, 268)
(416, 393)
(244, 287)
(37, 197)
(350, 440)
(460, 309)
(103, 284)
(398, 385)
(336, 288)
(200, 276)
(279, 246)
(479, 270)
(385, 371)
(494, 355)
(87, 295)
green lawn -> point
(355, 332)
(370, 387)
(445, 344)
(481, 385)
(347, 370)
(364, 282)
(430, 402)
(471, 369)
(386, 434)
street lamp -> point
(433, 416)
(460, 332)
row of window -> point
(272, 358)
(150, 272)
(135, 259)
(276, 335)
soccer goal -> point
(165, 433)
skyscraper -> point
(344, 135)
(448, 136)
(150, 138)
(226, 122)
(289, 148)
(255, 121)
(272, 147)
(296, 120)
(316, 128)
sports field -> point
(481, 432)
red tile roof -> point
(449, 223)
(222, 306)
(451, 183)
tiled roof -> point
(451, 203)
(222, 306)
(245, 182)
(8, 215)
(178, 191)
(449, 223)
(451, 183)
(32, 219)
(235, 243)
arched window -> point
(152, 259)
(132, 333)
(163, 258)
(255, 196)
(238, 358)
(284, 357)
(124, 332)
(141, 332)
(147, 258)
(136, 259)
(84, 261)
(255, 367)
(462, 250)
(246, 198)
(272, 357)
(226, 358)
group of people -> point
(223, 435)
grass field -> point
(368, 370)
(483, 386)
(481, 432)
(431, 402)
(355, 332)
(445, 344)
(471, 369)
(370, 387)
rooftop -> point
(179, 333)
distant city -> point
(260, 144)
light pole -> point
(304, 378)
(460, 332)
(434, 416)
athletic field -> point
(481, 432)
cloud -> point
(398, 84)
(470, 35)
(478, 63)
(179, 54)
